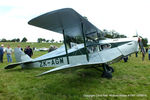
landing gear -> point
(110, 69)
(107, 71)
(107, 75)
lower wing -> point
(66, 67)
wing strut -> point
(87, 56)
(65, 46)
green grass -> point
(32, 44)
(131, 78)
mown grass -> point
(32, 44)
(131, 78)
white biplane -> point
(84, 45)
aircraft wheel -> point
(107, 75)
(110, 69)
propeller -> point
(142, 48)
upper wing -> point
(65, 19)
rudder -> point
(21, 56)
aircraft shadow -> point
(73, 80)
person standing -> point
(146, 50)
(25, 49)
(125, 58)
(28, 51)
(149, 53)
(1, 53)
(8, 53)
(19, 48)
(136, 54)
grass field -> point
(131, 81)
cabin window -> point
(105, 46)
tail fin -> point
(21, 56)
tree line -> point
(105, 33)
(42, 40)
(39, 40)
(113, 34)
(14, 40)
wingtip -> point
(38, 75)
(5, 67)
(8, 67)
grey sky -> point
(123, 16)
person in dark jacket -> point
(28, 51)
(1, 53)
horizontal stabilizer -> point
(12, 66)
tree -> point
(112, 34)
(13, 40)
(108, 36)
(17, 40)
(43, 40)
(60, 41)
(52, 41)
(39, 40)
(47, 41)
(3, 40)
(24, 39)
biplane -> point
(84, 45)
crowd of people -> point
(8, 50)
(27, 50)
(146, 50)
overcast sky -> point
(123, 16)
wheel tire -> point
(110, 69)
(107, 75)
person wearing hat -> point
(1, 53)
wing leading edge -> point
(65, 19)
(64, 67)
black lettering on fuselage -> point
(43, 63)
(61, 60)
(56, 61)
(51, 62)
